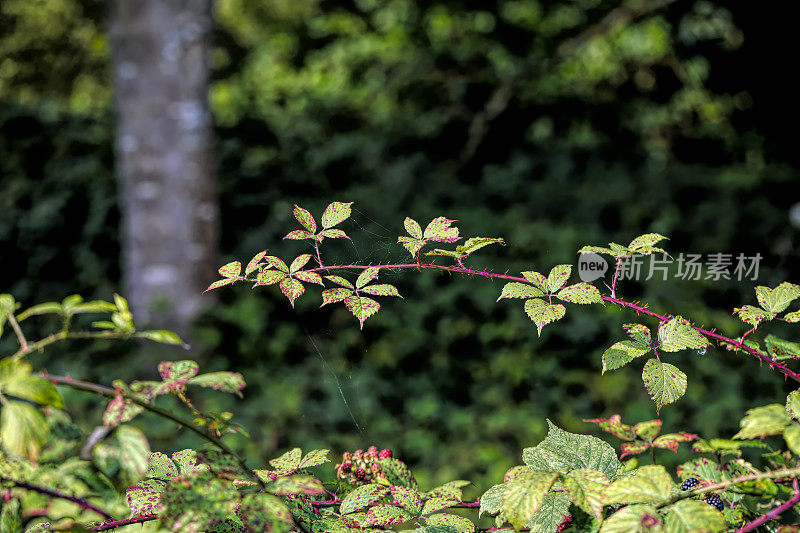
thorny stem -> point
(773, 363)
(112, 393)
(113, 524)
(614, 281)
(80, 502)
(775, 512)
(319, 257)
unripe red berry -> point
(376, 468)
(385, 453)
(372, 450)
(358, 454)
(346, 456)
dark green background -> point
(675, 122)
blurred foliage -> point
(552, 124)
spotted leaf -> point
(580, 293)
(335, 213)
(516, 289)
(380, 290)
(305, 218)
(664, 382)
(254, 263)
(361, 307)
(310, 277)
(335, 295)
(292, 289)
(231, 270)
(440, 230)
(543, 313)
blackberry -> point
(715, 501)
(689, 483)
(360, 474)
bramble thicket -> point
(55, 476)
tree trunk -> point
(164, 156)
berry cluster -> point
(715, 501)
(360, 467)
(689, 483)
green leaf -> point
(524, 496)
(382, 289)
(367, 275)
(451, 490)
(670, 441)
(159, 466)
(413, 228)
(649, 484)
(622, 353)
(41, 309)
(299, 262)
(792, 317)
(216, 285)
(473, 244)
(752, 315)
(563, 451)
(162, 336)
(277, 262)
(265, 512)
(332, 234)
(361, 497)
(289, 461)
(558, 277)
(177, 373)
(11, 517)
(335, 213)
(762, 421)
(231, 270)
(793, 404)
(120, 410)
(16, 380)
(648, 430)
(639, 333)
(692, 516)
(361, 307)
(231, 382)
(193, 503)
(297, 484)
(615, 426)
(585, 487)
(580, 293)
(551, 514)
(269, 277)
(255, 262)
(440, 230)
(516, 289)
(678, 334)
(309, 277)
(134, 450)
(664, 382)
(299, 234)
(633, 519)
(315, 458)
(459, 523)
(633, 448)
(595, 250)
(543, 313)
(645, 241)
(411, 244)
(335, 295)
(340, 281)
(792, 437)
(23, 429)
(305, 218)
(386, 515)
(781, 349)
(492, 500)
(407, 498)
(537, 279)
(292, 289)
(437, 504)
(144, 497)
(778, 299)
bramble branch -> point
(112, 393)
(773, 363)
(113, 524)
(80, 502)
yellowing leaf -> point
(220, 283)
(23, 429)
(516, 289)
(439, 230)
(380, 290)
(650, 484)
(580, 293)
(543, 313)
(335, 295)
(621, 353)
(367, 275)
(664, 382)
(231, 270)
(335, 213)
(413, 228)
(310, 277)
(305, 218)
(777, 299)
(292, 289)
(692, 516)
(299, 262)
(269, 277)
(761, 421)
(524, 496)
(361, 307)
(538, 280)
(585, 487)
(678, 334)
(558, 277)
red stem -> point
(113, 524)
(80, 502)
(775, 512)
(640, 309)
